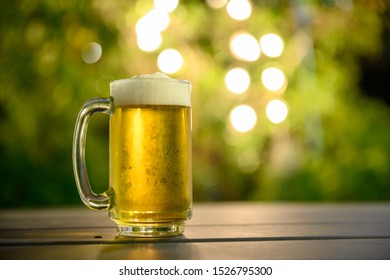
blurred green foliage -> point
(334, 145)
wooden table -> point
(240, 230)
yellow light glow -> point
(243, 118)
(237, 80)
(170, 61)
(239, 9)
(248, 161)
(149, 42)
(276, 111)
(216, 4)
(167, 6)
(245, 47)
(271, 45)
(91, 53)
(153, 22)
(273, 78)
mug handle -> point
(90, 199)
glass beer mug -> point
(150, 168)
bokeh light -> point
(276, 111)
(170, 61)
(271, 45)
(216, 4)
(248, 161)
(245, 47)
(166, 6)
(91, 53)
(237, 80)
(154, 21)
(149, 42)
(273, 78)
(239, 9)
(243, 118)
(65, 52)
(148, 29)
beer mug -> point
(150, 168)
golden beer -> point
(150, 164)
(150, 176)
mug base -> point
(151, 230)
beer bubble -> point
(163, 181)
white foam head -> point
(151, 89)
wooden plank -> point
(243, 230)
(212, 222)
(208, 233)
(355, 249)
(75, 217)
(237, 213)
(271, 213)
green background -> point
(334, 145)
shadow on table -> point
(175, 249)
